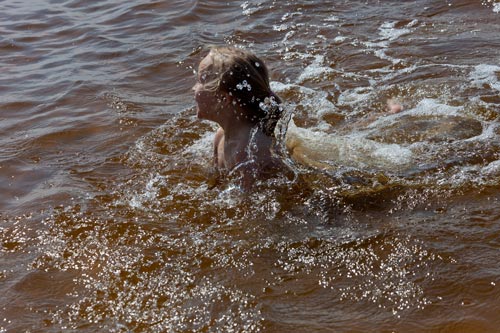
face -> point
(208, 104)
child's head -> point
(243, 79)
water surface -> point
(109, 218)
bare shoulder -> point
(219, 159)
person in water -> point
(232, 89)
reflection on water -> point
(112, 218)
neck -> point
(238, 135)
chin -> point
(203, 115)
(199, 114)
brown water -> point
(109, 218)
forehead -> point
(205, 63)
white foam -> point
(277, 86)
(388, 31)
(487, 135)
(149, 194)
(413, 23)
(484, 74)
(280, 27)
(320, 149)
(248, 10)
(392, 153)
(462, 175)
(289, 35)
(288, 16)
(383, 55)
(496, 7)
(315, 102)
(432, 107)
(339, 39)
(315, 70)
(492, 169)
(426, 107)
(355, 96)
(332, 18)
(199, 148)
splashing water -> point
(113, 218)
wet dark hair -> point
(244, 77)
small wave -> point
(432, 107)
(325, 151)
(389, 31)
(313, 103)
(484, 76)
(315, 70)
(248, 10)
(492, 169)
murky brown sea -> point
(109, 221)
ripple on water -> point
(137, 279)
(152, 241)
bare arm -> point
(219, 159)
